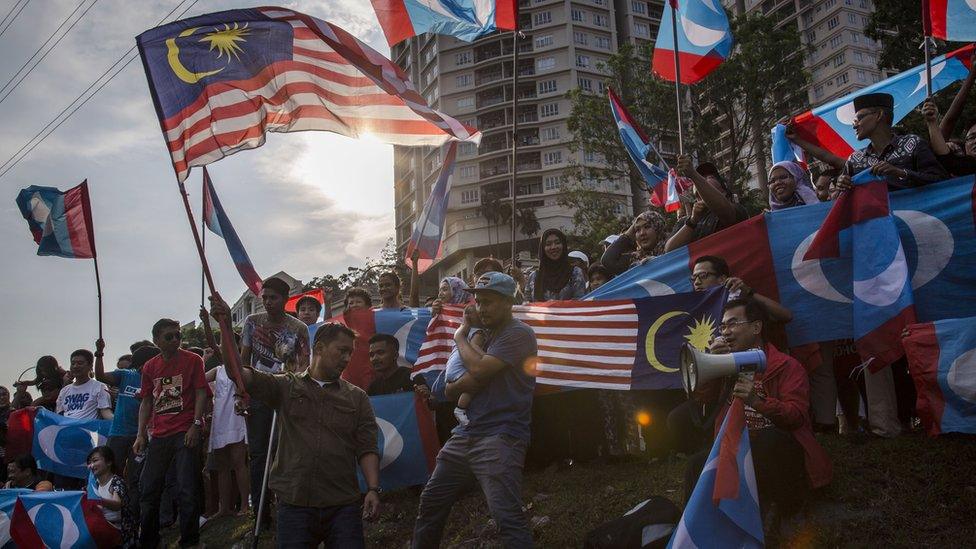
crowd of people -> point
(184, 444)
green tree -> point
(594, 216)
(195, 336)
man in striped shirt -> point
(490, 448)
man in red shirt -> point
(173, 394)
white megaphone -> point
(698, 368)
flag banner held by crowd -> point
(61, 445)
(428, 231)
(409, 326)
(60, 519)
(219, 224)
(59, 221)
(704, 40)
(616, 344)
(950, 19)
(942, 361)
(467, 20)
(20, 431)
(831, 126)
(662, 184)
(935, 225)
(408, 442)
(221, 81)
(883, 302)
(723, 510)
(8, 501)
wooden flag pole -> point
(677, 76)
(231, 360)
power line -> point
(14, 18)
(49, 38)
(47, 130)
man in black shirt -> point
(390, 378)
(904, 161)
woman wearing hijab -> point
(453, 291)
(789, 186)
(644, 240)
(555, 279)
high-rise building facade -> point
(563, 45)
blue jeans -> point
(340, 526)
(495, 464)
(162, 454)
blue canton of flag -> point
(407, 440)
(61, 445)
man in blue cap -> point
(490, 448)
(902, 160)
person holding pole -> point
(272, 342)
(327, 427)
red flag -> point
(291, 306)
(20, 432)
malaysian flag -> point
(221, 81)
(615, 344)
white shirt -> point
(83, 401)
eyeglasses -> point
(733, 323)
(859, 117)
(702, 275)
(173, 335)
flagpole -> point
(926, 45)
(98, 288)
(203, 236)
(677, 76)
(231, 360)
(515, 71)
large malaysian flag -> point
(614, 344)
(221, 81)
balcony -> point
(494, 144)
(528, 117)
(491, 101)
(495, 170)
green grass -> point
(908, 492)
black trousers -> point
(780, 473)
(162, 454)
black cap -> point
(874, 100)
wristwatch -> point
(198, 422)
(376, 489)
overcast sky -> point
(305, 203)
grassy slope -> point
(906, 492)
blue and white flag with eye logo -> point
(61, 445)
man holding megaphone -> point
(787, 458)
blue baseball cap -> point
(493, 281)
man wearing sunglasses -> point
(710, 271)
(174, 393)
(787, 459)
(902, 160)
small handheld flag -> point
(701, 39)
(60, 221)
(467, 20)
(219, 224)
(429, 228)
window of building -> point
(467, 149)
(578, 15)
(549, 109)
(552, 157)
(808, 19)
(638, 7)
(583, 61)
(603, 42)
(463, 58)
(543, 41)
(552, 182)
(875, 78)
(829, 4)
(861, 76)
(601, 86)
(838, 59)
(585, 84)
(832, 23)
(467, 172)
(835, 41)
(580, 38)
(852, 18)
(470, 196)
(550, 134)
(864, 4)
(600, 20)
(859, 57)
(818, 91)
(842, 79)
(589, 156)
(855, 37)
(545, 63)
(811, 36)
(642, 29)
(463, 80)
(465, 102)
(547, 86)
(542, 18)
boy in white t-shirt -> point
(85, 398)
